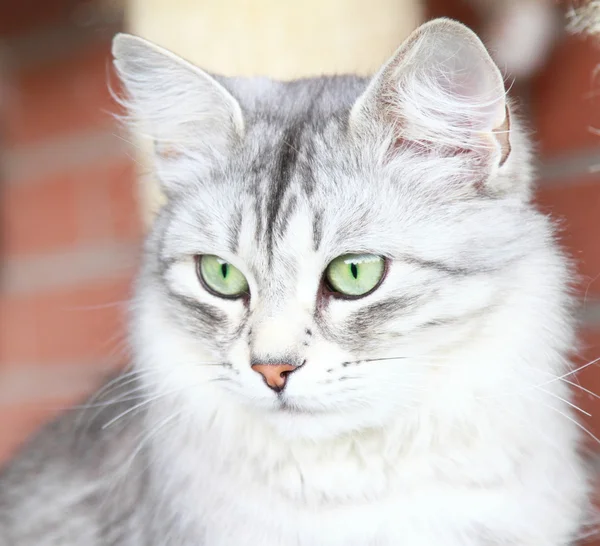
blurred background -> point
(73, 208)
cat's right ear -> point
(192, 120)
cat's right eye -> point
(220, 277)
(355, 275)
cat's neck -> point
(234, 445)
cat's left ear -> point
(441, 92)
(192, 120)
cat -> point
(351, 326)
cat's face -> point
(316, 263)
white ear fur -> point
(188, 115)
(440, 89)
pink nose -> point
(275, 375)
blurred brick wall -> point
(70, 225)
(564, 102)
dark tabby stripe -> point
(441, 266)
(285, 166)
(378, 314)
(208, 315)
(317, 229)
(235, 225)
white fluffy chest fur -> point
(487, 482)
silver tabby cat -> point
(351, 326)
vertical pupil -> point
(224, 270)
(354, 270)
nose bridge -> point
(276, 334)
(277, 331)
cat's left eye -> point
(355, 275)
(220, 277)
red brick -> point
(26, 15)
(564, 98)
(40, 216)
(92, 203)
(62, 97)
(576, 204)
(68, 325)
(18, 334)
(112, 187)
(84, 322)
(123, 194)
(107, 198)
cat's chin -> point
(296, 423)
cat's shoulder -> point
(76, 473)
(88, 441)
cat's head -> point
(333, 251)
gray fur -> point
(64, 489)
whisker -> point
(124, 470)
(402, 357)
(152, 433)
(159, 396)
(582, 388)
(574, 421)
(543, 384)
(137, 406)
(211, 363)
(129, 377)
(373, 360)
(572, 372)
(223, 378)
(574, 406)
(122, 380)
(124, 397)
(576, 385)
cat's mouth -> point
(285, 405)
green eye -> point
(355, 274)
(221, 277)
